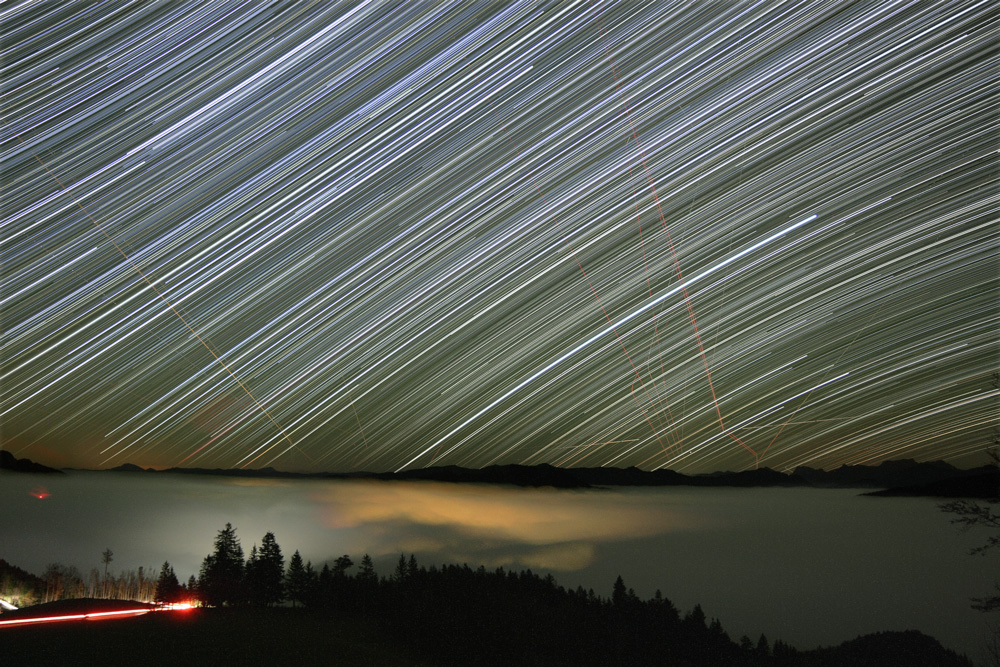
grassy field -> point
(205, 637)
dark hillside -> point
(11, 463)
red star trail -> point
(323, 236)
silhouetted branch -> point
(991, 603)
(969, 513)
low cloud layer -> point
(495, 526)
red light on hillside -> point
(40, 492)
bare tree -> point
(63, 582)
(106, 558)
(970, 513)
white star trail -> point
(342, 236)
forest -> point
(458, 615)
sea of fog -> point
(809, 566)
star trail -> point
(339, 236)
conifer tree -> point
(367, 570)
(168, 589)
(310, 591)
(271, 570)
(618, 594)
(401, 569)
(411, 567)
(192, 587)
(296, 579)
(221, 578)
(251, 579)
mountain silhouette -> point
(935, 478)
(10, 462)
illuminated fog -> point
(809, 566)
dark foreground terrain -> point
(301, 637)
(205, 637)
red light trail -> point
(176, 312)
(94, 616)
(670, 243)
(593, 291)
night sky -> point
(330, 236)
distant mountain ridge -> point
(901, 477)
(887, 475)
(11, 463)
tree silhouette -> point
(367, 571)
(272, 566)
(221, 578)
(311, 585)
(296, 579)
(265, 573)
(251, 585)
(664, 608)
(411, 567)
(62, 582)
(106, 558)
(341, 565)
(401, 569)
(763, 647)
(972, 514)
(969, 514)
(695, 620)
(618, 593)
(168, 589)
